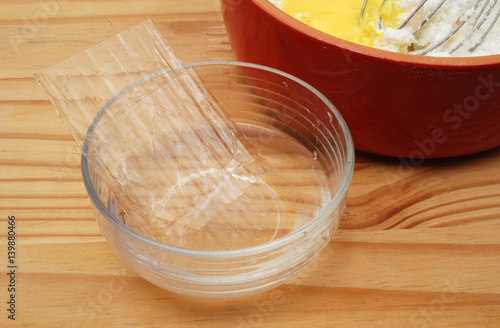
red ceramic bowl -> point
(399, 105)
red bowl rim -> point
(387, 56)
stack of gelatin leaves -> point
(178, 167)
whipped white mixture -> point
(416, 38)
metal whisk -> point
(475, 17)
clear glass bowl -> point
(272, 103)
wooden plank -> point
(416, 247)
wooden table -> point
(418, 246)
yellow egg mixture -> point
(341, 18)
(382, 24)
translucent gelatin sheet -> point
(161, 143)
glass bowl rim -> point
(234, 253)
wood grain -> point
(417, 247)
